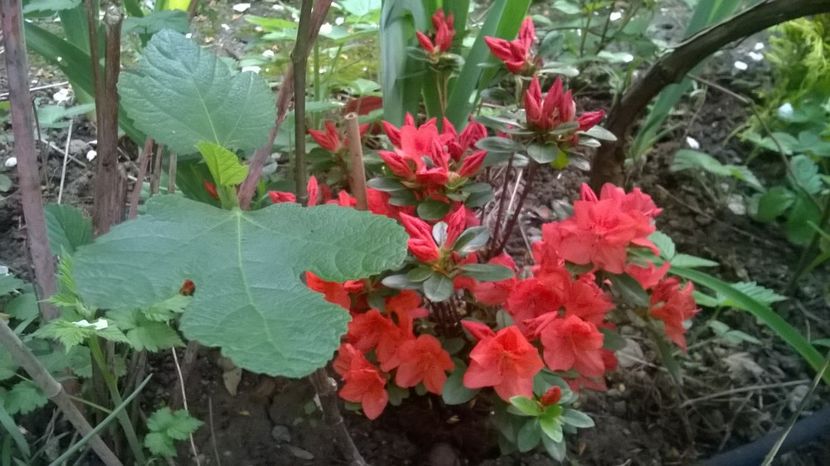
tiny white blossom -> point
(786, 111)
(759, 46)
(91, 154)
(62, 95)
(740, 66)
(339, 20)
(616, 15)
(692, 142)
(755, 56)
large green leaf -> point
(181, 94)
(247, 267)
(400, 78)
(67, 228)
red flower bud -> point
(551, 397)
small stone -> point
(91, 154)
(10, 162)
(241, 7)
(300, 453)
(281, 434)
(78, 146)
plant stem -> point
(531, 171)
(109, 191)
(248, 187)
(326, 389)
(155, 179)
(299, 58)
(143, 164)
(357, 172)
(502, 201)
(112, 386)
(24, 146)
(605, 28)
(172, 166)
(585, 32)
(47, 384)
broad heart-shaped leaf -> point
(247, 267)
(181, 94)
(223, 164)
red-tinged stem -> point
(248, 187)
(531, 171)
(20, 98)
(357, 172)
(502, 201)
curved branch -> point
(671, 68)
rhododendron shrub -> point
(465, 318)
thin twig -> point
(184, 403)
(5, 95)
(65, 159)
(48, 385)
(17, 69)
(143, 163)
(357, 172)
(734, 391)
(531, 172)
(816, 380)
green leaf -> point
(498, 144)
(8, 368)
(806, 174)
(686, 159)
(176, 424)
(400, 72)
(798, 227)
(23, 398)
(529, 435)
(8, 284)
(629, 290)
(142, 333)
(598, 132)
(66, 332)
(612, 340)
(386, 184)
(764, 313)
(33, 6)
(181, 94)
(540, 153)
(67, 227)
(418, 274)
(160, 444)
(755, 291)
(249, 300)
(5, 182)
(438, 287)
(576, 418)
(556, 450)
(7, 423)
(486, 272)
(552, 427)
(455, 393)
(360, 7)
(524, 406)
(23, 307)
(692, 262)
(774, 203)
(156, 21)
(433, 210)
(167, 309)
(471, 240)
(224, 165)
(664, 243)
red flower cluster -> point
(516, 54)
(674, 305)
(602, 229)
(556, 108)
(432, 163)
(444, 34)
(331, 139)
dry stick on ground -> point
(672, 67)
(49, 386)
(24, 146)
(143, 164)
(109, 181)
(248, 187)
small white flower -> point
(225, 27)
(759, 46)
(616, 15)
(268, 54)
(91, 154)
(755, 56)
(11, 162)
(326, 28)
(740, 66)
(241, 7)
(251, 68)
(692, 142)
(60, 59)
(627, 58)
(339, 20)
(99, 324)
(786, 111)
(189, 35)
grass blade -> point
(11, 427)
(764, 313)
(400, 82)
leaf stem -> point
(112, 386)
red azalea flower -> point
(496, 293)
(278, 197)
(364, 384)
(444, 33)
(421, 243)
(535, 296)
(590, 119)
(586, 300)
(423, 360)
(367, 329)
(648, 276)
(331, 139)
(333, 292)
(572, 343)
(674, 305)
(472, 163)
(516, 53)
(505, 361)
(406, 304)
(551, 397)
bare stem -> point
(531, 170)
(143, 164)
(357, 172)
(48, 385)
(24, 146)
